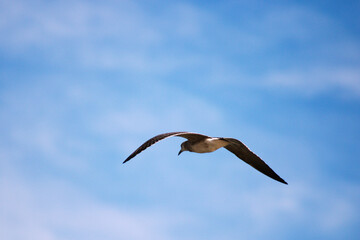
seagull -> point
(204, 144)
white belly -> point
(209, 145)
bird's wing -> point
(193, 137)
(244, 153)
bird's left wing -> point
(188, 135)
(245, 154)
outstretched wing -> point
(193, 137)
(245, 154)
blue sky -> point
(83, 83)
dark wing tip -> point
(282, 181)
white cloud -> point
(317, 80)
(300, 206)
(129, 37)
(55, 210)
(298, 23)
(313, 206)
(82, 22)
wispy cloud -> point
(55, 210)
(77, 22)
(318, 80)
(133, 38)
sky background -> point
(84, 83)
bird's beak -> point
(180, 152)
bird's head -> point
(183, 147)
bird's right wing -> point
(193, 137)
(245, 154)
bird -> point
(200, 143)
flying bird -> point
(203, 144)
